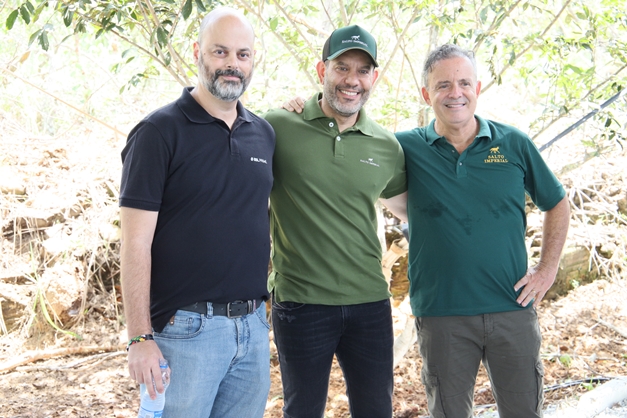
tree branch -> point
(495, 23)
(531, 43)
(113, 128)
(280, 38)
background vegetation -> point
(77, 75)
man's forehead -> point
(352, 55)
(457, 67)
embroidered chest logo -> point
(495, 156)
(258, 160)
(369, 161)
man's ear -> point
(196, 52)
(375, 75)
(425, 95)
(321, 69)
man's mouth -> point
(349, 93)
(455, 105)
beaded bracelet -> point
(139, 339)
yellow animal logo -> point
(494, 150)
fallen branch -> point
(613, 328)
(94, 360)
(597, 400)
(47, 354)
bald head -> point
(225, 54)
(223, 15)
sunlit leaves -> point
(11, 19)
(187, 9)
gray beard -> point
(227, 91)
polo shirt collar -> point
(197, 114)
(484, 131)
(313, 111)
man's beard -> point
(340, 108)
(227, 91)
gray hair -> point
(445, 52)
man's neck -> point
(458, 136)
(219, 109)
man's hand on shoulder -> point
(295, 104)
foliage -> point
(567, 57)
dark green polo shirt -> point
(467, 218)
(323, 221)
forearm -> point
(135, 259)
(135, 276)
(397, 205)
(554, 231)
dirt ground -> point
(576, 346)
(584, 331)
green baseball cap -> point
(347, 38)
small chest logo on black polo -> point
(258, 160)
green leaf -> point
(566, 360)
(25, 14)
(274, 22)
(68, 16)
(200, 6)
(43, 40)
(11, 19)
(162, 36)
(30, 6)
(187, 9)
(33, 37)
(483, 15)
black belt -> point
(231, 309)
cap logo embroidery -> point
(355, 39)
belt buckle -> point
(228, 308)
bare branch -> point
(294, 53)
(398, 43)
(92, 117)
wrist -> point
(139, 339)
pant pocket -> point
(540, 380)
(433, 391)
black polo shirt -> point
(210, 186)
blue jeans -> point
(508, 344)
(307, 336)
(220, 366)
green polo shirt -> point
(467, 218)
(322, 216)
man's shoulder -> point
(379, 131)
(256, 120)
(413, 135)
(504, 130)
(278, 115)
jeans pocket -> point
(183, 325)
(286, 306)
(261, 314)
